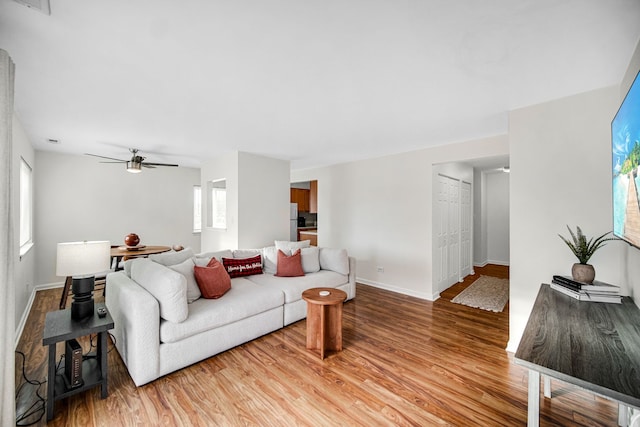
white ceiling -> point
(316, 82)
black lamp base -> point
(82, 305)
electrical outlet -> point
(380, 269)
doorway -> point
(470, 219)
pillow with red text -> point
(243, 266)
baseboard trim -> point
(398, 290)
(27, 309)
(504, 263)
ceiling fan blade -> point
(104, 157)
(117, 161)
(159, 164)
(146, 165)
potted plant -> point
(584, 248)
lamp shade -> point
(83, 258)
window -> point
(26, 207)
(217, 206)
(197, 209)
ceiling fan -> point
(136, 163)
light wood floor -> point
(405, 361)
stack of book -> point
(594, 292)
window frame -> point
(25, 237)
(197, 209)
(217, 204)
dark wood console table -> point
(595, 346)
(60, 327)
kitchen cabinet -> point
(309, 235)
(301, 197)
(313, 197)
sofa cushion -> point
(269, 259)
(246, 253)
(244, 299)
(172, 257)
(335, 260)
(288, 247)
(310, 259)
(167, 286)
(243, 266)
(292, 287)
(213, 279)
(289, 266)
(127, 267)
(186, 269)
(203, 259)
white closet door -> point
(465, 230)
(441, 263)
(453, 232)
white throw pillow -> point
(310, 259)
(127, 267)
(186, 269)
(269, 259)
(167, 286)
(290, 247)
(172, 257)
(335, 260)
(203, 259)
(246, 253)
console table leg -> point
(102, 360)
(51, 381)
(547, 386)
(623, 414)
(533, 419)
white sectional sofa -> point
(155, 335)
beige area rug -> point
(487, 293)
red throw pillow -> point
(244, 266)
(289, 266)
(212, 280)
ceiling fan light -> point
(134, 167)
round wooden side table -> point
(324, 319)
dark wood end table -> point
(324, 319)
(60, 327)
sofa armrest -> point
(352, 278)
(136, 316)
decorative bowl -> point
(131, 239)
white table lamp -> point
(81, 260)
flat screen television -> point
(625, 146)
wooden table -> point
(324, 319)
(593, 345)
(120, 252)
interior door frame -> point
(442, 256)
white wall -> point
(224, 166)
(380, 210)
(497, 218)
(258, 197)
(479, 218)
(78, 198)
(264, 200)
(560, 174)
(23, 267)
